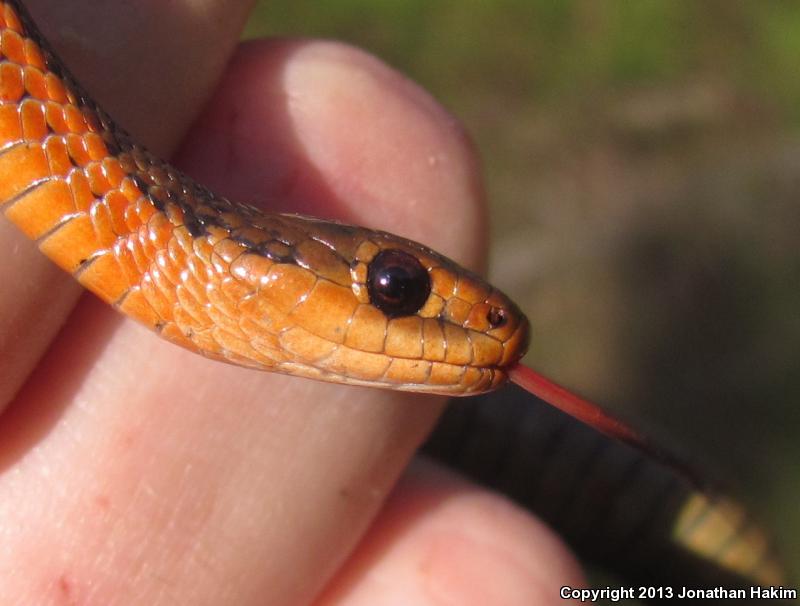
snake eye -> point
(397, 283)
(496, 317)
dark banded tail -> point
(633, 516)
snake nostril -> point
(397, 283)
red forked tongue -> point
(566, 401)
(592, 415)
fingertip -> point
(393, 155)
(441, 540)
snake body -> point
(276, 292)
(296, 295)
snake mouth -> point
(482, 380)
(419, 375)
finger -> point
(441, 540)
(228, 485)
(123, 54)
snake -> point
(334, 302)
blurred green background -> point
(643, 165)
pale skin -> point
(133, 472)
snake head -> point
(445, 326)
(365, 307)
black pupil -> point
(496, 317)
(397, 283)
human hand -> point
(136, 472)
